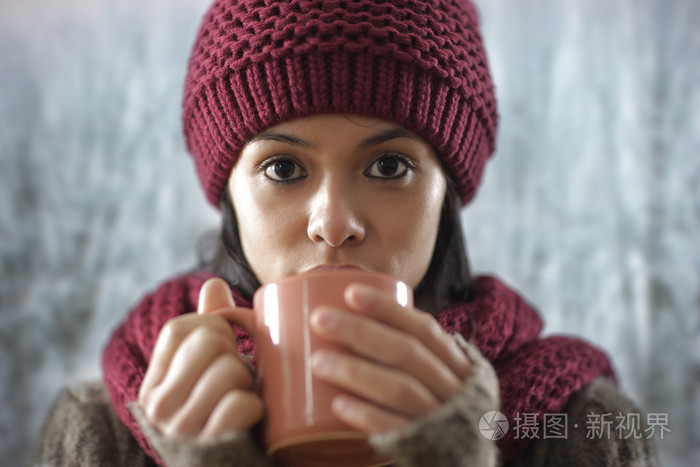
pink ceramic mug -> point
(299, 426)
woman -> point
(343, 134)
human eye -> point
(282, 169)
(390, 166)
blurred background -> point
(590, 207)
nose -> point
(335, 218)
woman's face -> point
(331, 191)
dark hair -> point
(447, 279)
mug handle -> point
(243, 317)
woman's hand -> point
(407, 365)
(196, 386)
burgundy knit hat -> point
(421, 64)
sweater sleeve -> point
(230, 450)
(450, 435)
(81, 428)
(603, 427)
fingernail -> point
(326, 319)
(359, 294)
(322, 363)
(344, 406)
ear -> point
(214, 295)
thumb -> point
(214, 295)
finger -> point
(381, 306)
(197, 351)
(372, 339)
(170, 339)
(225, 374)
(387, 387)
(214, 295)
(238, 410)
(366, 417)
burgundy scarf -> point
(536, 375)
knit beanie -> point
(420, 64)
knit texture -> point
(420, 64)
(536, 375)
(449, 435)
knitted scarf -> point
(536, 375)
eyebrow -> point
(374, 140)
(386, 135)
(282, 138)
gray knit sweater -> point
(82, 429)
